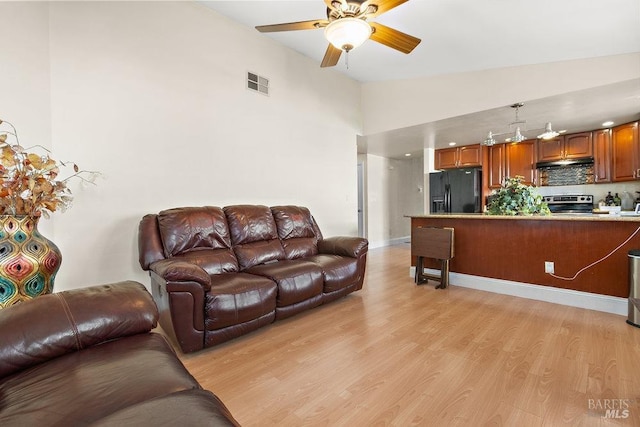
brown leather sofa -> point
(218, 273)
(87, 357)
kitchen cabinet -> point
(458, 157)
(625, 153)
(511, 160)
(495, 168)
(602, 155)
(565, 147)
(520, 159)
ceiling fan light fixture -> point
(347, 33)
(548, 132)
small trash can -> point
(634, 288)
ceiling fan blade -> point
(393, 38)
(293, 26)
(331, 56)
(383, 6)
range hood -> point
(562, 163)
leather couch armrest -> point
(56, 324)
(345, 246)
(172, 270)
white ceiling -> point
(470, 35)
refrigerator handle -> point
(447, 198)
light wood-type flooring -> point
(397, 354)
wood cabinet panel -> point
(625, 152)
(520, 159)
(511, 160)
(470, 155)
(550, 149)
(602, 155)
(573, 146)
(578, 145)
(458, 157)
(446, 158)
(495, 168)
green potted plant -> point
(516, 198)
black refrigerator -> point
(456, 191)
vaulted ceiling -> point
(466, 35)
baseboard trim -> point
(391, 242)
(605, 303)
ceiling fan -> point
(347, 27)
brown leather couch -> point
(218, 273)
(87, 357)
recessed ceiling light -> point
(452, 143)
(407, 154)
(607, 123)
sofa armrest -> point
(345, 246)
(56, 324)
(173, 270)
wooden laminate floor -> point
(397, 354)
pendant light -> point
(548, 132)
(518, 137)
(489, 141)
(520, 126)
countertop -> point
(552, 217)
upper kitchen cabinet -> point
(458, 157)
(511, 160)
(625, 153)
(493, 169)
(565, 147)
(520, 160)
(602, 155)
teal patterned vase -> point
(28, 261)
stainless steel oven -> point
(570, 203)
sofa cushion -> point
(187, 408)
(254, 235)
(338, 271)
(187, 229)
(297, 280)
(65, 322)
(296, 230)
(89, 384)
(198, 234)
(237, 298)
(215, 261)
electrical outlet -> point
(549, 267)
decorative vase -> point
(28, 261)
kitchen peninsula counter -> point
(515, 248)
(552, 217)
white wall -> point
(152, 94)
(425, 100)
(394, 189)
(24, 75)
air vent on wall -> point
(257, 83)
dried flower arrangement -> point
(29, 183)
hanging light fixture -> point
(548, 132)
(518, 137)
(520, 126)
(347, 33)
(489, 141)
